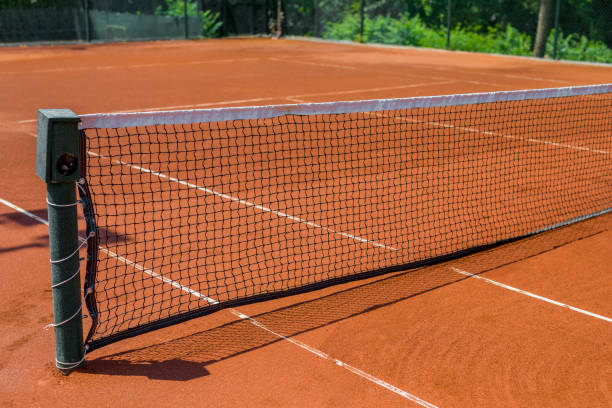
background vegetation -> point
(495, 26)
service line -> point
(288, 97)
(488, 133)
(135, 66)
(271, 98)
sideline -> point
(533, 295)
(236, 313)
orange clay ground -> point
(427, 337)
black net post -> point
(57, 157)
(557, 7)
(448, 23)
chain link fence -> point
(123, 20)
(579, 29)
(574, 29)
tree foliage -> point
(483, 26)
(176, 8)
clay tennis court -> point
(521, 324)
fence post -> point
(557, 7)
(361, 16)
(279, 18)
(57, 164)
(185, 19)
(87, 33)
(223, 18)
(448, 24)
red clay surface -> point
(450, 340)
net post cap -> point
(57, 145)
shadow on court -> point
(186, 358)
(19, 220)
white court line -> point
(531, 78)
(158, 276)
(290, 99)
(560, 81)
(298, 343)
(245, 202)
(24, 212)
(118, 257)
(318, 64)
(367, 69)
(109, 67)
(339, 363)
(270, 98)
(485, 132)
(486, 83)
(437, 68)
(253, 321)
(533, 295)
(526, 139)
(385, 88)
(274, 98)
(201, 105)
(280, 97)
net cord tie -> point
(67, 280)
(50, 325)
(53, 325)
(70, 366)
(77, 202)
(55, 285)
(63, 205)
(56, 261)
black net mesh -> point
(196, 217)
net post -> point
(57, 164)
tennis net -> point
(205, 209)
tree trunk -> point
(544, 19)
